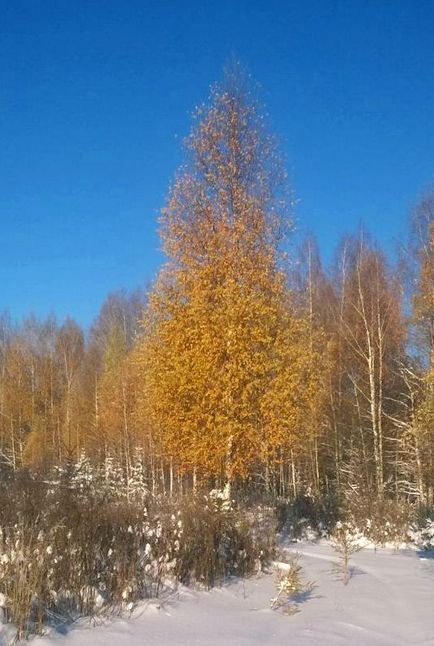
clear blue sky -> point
(96, 96)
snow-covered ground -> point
(389, 600)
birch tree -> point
(224, 365)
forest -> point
(241, 363)
(248, 372)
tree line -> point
(241, 363)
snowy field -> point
(389, 600)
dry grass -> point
(66, 553)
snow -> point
(387, 601)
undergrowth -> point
(68, 551)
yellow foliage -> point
(226, 373)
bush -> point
(305, 515)
(216, 543)
(66, 551)
(422, 534)
(381, 520)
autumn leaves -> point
(226, 369)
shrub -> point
(216, 543)
(66, 551)
(422, 534)
(381, 520)
(305, 515)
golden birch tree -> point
(224, 367)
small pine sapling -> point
(344, 544)
(290, 586)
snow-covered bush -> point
(381, 521)
(371, 520)
(73, 544)
(423, 535)
(217, 542)
(306, 516)
(24, 573)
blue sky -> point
(96, 98)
